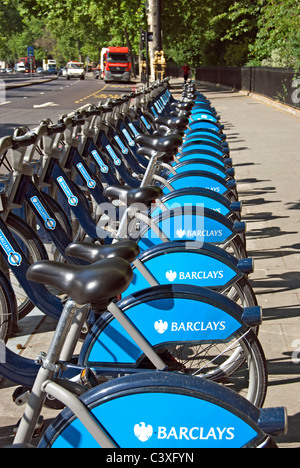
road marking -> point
(94, 95)
(46, 104)
(3, 103)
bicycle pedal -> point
(21, 395)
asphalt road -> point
(27, 106)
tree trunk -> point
(128, 43)
(152, 22)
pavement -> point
(11, 82)
(264, 139)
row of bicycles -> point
(122, 222)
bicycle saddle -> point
(130, 195)
(186, 106)
(94, 284)
(128, 250)
(149, 153)
(176, 123)
(161, 144)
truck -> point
(115, 64)
(29, 64)
(50, 66)
(75, 70)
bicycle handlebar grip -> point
(56, 128)
(6, 143)
(93, 110)
(24, 140)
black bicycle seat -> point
(187, 106)
(161, 144)
(94, 284)
(130, 195)
(172, 122)
(149, 153)
(128, 250)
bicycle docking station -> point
(122, 222)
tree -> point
(218, 32)
(272, 28)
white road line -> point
(46, 104)
(3, 103)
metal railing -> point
(280, 84)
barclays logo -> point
(180, 233)
(171, 276)
(194, 275)
(160, 326)
(143, 432)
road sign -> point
(30, 52)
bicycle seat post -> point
(49, 365)
(151, 168)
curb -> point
(29, 83)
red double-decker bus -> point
(29, 63)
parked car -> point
(20, 68)
(40, 71)
(2, 70)
(75, 70)
(52, 70)
(9, 70)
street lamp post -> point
(158, 25)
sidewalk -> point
(23, 83)
(264, 144)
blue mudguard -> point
(164, 314)
(160, 410)
(190, 224)
(212, 167)
(200, 196)
(182, 263)
(201, 179)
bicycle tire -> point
(34, 250)
(8, 308)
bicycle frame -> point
(96, 427)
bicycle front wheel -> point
(8, 308)
(238, 364)
(34, 250)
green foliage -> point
(218, 32)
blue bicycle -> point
(128, 412)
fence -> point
(280, 84)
